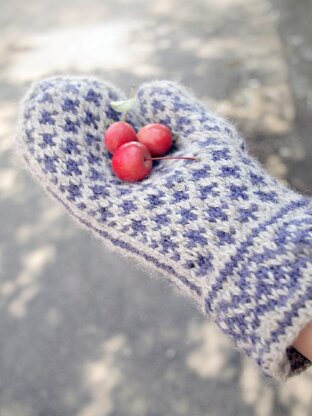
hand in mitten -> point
(224, 232)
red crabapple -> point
(156, 137)
(118, 134)
(129, 162)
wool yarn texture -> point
(220, 229)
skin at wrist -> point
(303, 342)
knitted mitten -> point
(223, 231)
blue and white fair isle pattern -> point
(219, 228)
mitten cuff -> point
(287, 300)
(266, 298)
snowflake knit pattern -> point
(223, 231)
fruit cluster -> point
(133, 153)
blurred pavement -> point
(83, 333)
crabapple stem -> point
(172, 158)
(131, 97)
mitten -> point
(219, 228)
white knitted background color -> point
(219, 228)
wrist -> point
(303, 342)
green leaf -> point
(123, 105)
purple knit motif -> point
(219, 228)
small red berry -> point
(156, 137)
(118, 134)
(129, 162)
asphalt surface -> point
(83, 333)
